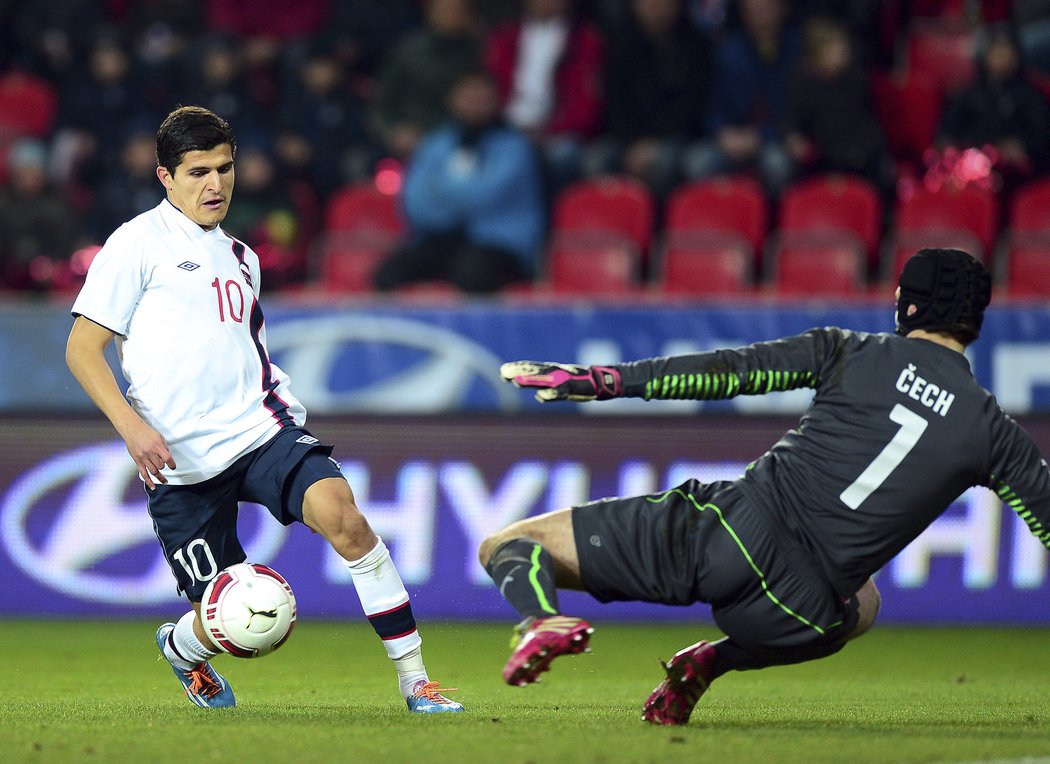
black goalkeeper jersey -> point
(897, 430)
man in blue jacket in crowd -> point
(473, 199)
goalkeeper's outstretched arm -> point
(764, 367)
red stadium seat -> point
(349, 259)
(28, 105)
(904, 244)
(592, 264)
(943, 50)
(704, 266)
(734, 204)
(970, 209)
(362, 207)
(909, 109)
(1027, 265)
(68, 277)
(1029, 208)
(613, 204)
(833, 204)
(819, 265)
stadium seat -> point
(592, 264)
(943, 50)
(970, 209)
(66, 278)
(347, 260)
(1027, 266)
(28, 105)
(729, 204)
(1029, 207)
(361, 207)
(904, 244)
(705, 265)
(610, 204)
(909, 109)
(832, 204)
(819, 265)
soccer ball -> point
(248, 610)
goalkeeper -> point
(898, 428)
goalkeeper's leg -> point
(692, 669)
(529, 561)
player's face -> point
(202, 185)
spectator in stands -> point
(38, 228)
(50, 37)
(321, 120)
(549, 66)
(753, 68)
(831, 120)
(657, 84)
(709, 15)
(276, 20)
(472, 197)
(418, 72)
(1032, 18)
(128, 188)
(263, 30)
(217, 81)
(108, 94)
(364, 30)
(265, 217)
(862, 20)
(1001, 112)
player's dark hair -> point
(191, 128)
(950, 290)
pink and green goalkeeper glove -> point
(564, 382)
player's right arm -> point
(85, 356)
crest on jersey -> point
(247, 275)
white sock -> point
(410, 671)
(183, 648)
(385, 601)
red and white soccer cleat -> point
(688, 677)
(538, 641)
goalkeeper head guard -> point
(949, 290)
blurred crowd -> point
(475, 113)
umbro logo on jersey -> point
(308, 439)
(186, 265)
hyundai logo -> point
(334, 366)
(78, 524)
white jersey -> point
(191, 340)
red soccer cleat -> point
(688, 677)
(539, 641)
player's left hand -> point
(564, 382)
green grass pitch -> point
(95, 692)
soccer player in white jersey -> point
(208, 420)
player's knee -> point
(488, 547)
(492, 543)
(869, 601)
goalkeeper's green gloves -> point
(564, 382)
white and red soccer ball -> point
(248, 610)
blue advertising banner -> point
(76, 540)
(416, 359)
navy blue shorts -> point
(707, 543)
(197, 524)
